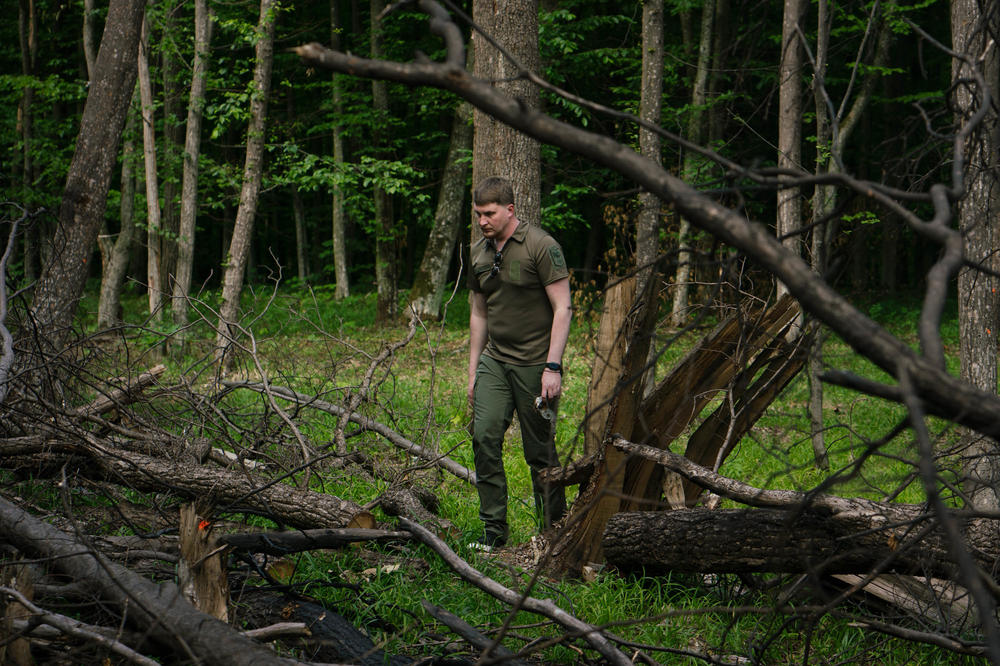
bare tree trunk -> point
(339, 219)
(977, 220)
(833, 131)
(692, 163)
(173, 140)
(192, 150)
(89, 46)
(301, 252)
(822, 203)
(650, 105)
(647, 228)
(499, 150)
(239, 247)
(153, 285)
(789, 213)
(85, 197)
(428, 284)
(28, 37)
(116, 255)
(386, 269)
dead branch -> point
(158, 609)
(122, 395)
(278, 630)
(778, 499)
(355, 399)
(592, 634)
(77, 629)
(489, 648)
(444, 462)
(283, 543)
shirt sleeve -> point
(550, 261)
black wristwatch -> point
(554, 367)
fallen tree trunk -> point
(225, 489)
(158, 609)
(234, 491)
(777, 541)
(791, 532)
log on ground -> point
(779, 541)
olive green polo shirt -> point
(518, 312)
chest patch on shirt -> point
(556, 255)
(514, 271)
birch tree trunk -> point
(153, 285)
(239, 246)
(192, 151)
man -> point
(518, 326)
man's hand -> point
(551, 384)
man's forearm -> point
(559, 335)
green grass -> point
(312, 343)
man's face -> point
(494, 219)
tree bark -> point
(239, 245)
(786, 541)
(979, 309)
(498, 149)
(85, 196)
(189, 173)
(650, 104)
(647, 226)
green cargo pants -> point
(500, 389)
